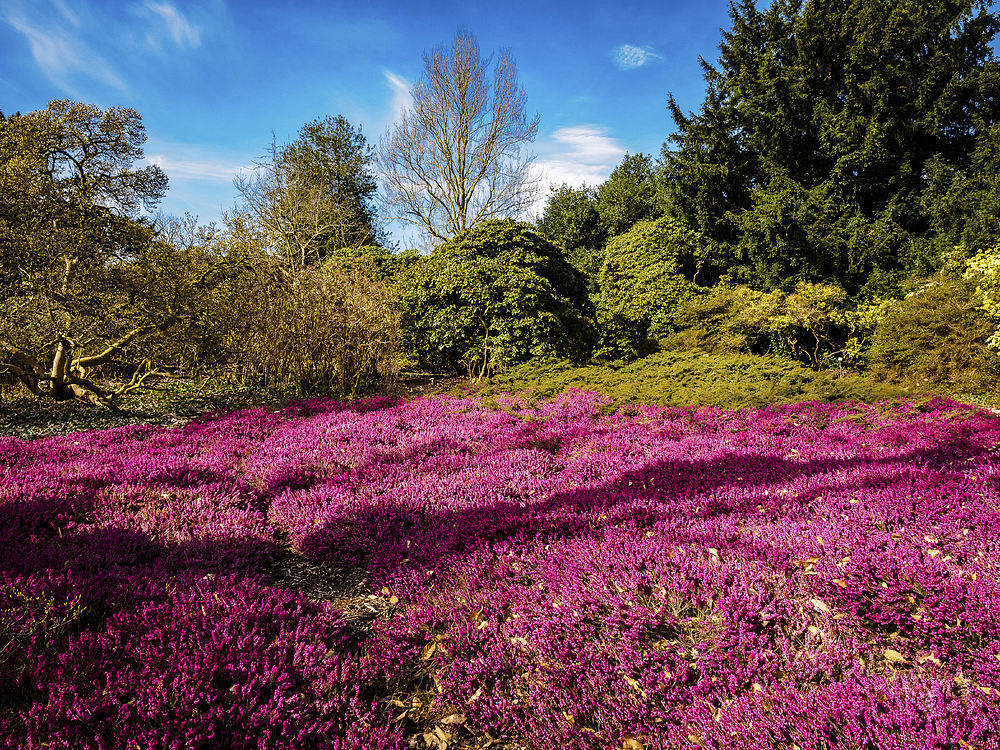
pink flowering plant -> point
(810, 576)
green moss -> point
(692, 378)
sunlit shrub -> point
(647, 274)
(495, 296)
(938, 337)
(328, 329)
(807, 324)
(682, 378)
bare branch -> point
(112, 349)
(456, 157)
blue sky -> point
(213, 79)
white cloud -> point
(186, 162)
(576, 155)
(61, 55)
(181, 31)
(66, 12)
(401, 98)
(629, 56)
(589, 144)
(72, 41)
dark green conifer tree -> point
(832, 136)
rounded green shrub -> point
(648, 272)
(494, 296)
(938, 337)
(808, 324)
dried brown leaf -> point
(894, 656)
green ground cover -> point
(692, 378)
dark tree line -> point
(843, 140)
(845, 154)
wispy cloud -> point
(182, 162)
(170, 19)
(63, 56)
(66, 12)
(400, 88)
(576, 155)
(629, 56)
(72, 41)
(589, 144)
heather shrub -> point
(495, 296)
(522, 573)
(937, 337)
(218, 662)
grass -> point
(168, 403)
(664, 379)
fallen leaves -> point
(893, 656)
(437, 738)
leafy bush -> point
(984, 270)
(806, 321)
(643, 281)
(938, 337)
(495, 296)
(386, 264)
(571, 221)
(806, 325)
(690, 378)
(327, 329)
(723, 320)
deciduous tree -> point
(312, 196)
(70, 300)
(571, 220)
(456, 157)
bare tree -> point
(455, 158)
(293, 218)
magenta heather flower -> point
(811, 576)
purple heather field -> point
(810, 576)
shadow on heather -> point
(384, 534)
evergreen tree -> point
(831, 133)
(333, 156)
(571, 221)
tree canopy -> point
(823, 127)
(70, 198)
(628, 196)
(311, 197)
(571, 221)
